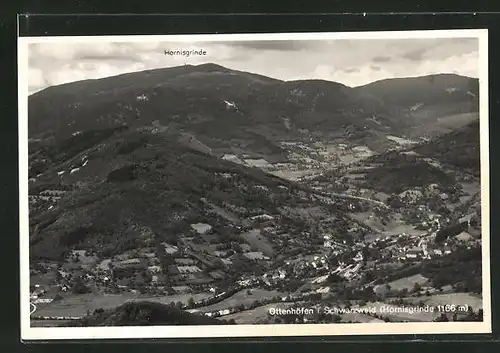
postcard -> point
(253, 185)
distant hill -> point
(396, 175)
(227, 109)
(144, 314)
(460, 148)
(431, 104)
(396, 171)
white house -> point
(201, 228)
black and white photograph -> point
(254, 185)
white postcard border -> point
(135, 332)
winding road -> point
(334, 194)
(346, 196)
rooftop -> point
(201, 228)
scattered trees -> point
(79, 287)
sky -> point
(353, 62)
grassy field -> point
(231, 217)
(46, 279)
(184, 298)
(255, 315)
(47, 323)
(393, 227)
(408, 282)
(242, 297)
(457, 120)
(258, 241)
(83, 259)
(292, 175)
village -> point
(270, 255)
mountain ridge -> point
(208, 65)
(228, 109)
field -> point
(47, 323)
(408, 282)
(242, 297)
(456, 299)
(258, 241)
(255, 315)
(84, 260)
(292, 175)
(393, 227)
(470, 190)
(45, 279)
(80, 304)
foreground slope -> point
(144, 314)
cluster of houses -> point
(37, 293)
(423, 246)
(329, 242)
(348, 272)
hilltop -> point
(431, 105)
(459, 149)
